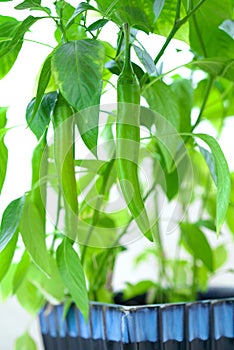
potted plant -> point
(105, 174)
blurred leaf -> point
(21, 271)
(6, 256)
(10, 221)
(93, 165)
(207, 224)
(33, 234)
(228, 27)
(158, 6)
(30, 297)
(202, 275)
(230, 213)
(133, 290)
(223, 179)
(206, 39)
(25, 342)
(51, 288)
(197, 244)
(220, 255)
(72, 274)
(6, 285)
(214, 109)
(166, 20)
(27, 4)
(39, 121)
(217, 66)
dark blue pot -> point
(202, 325)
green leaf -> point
(196, 243)
(157, 96)
(183, 91)
(39, 121)
(18, 35)
(25, 342)
(138, 13)
(214, 109)
(74, 31)
(21, 271)
(97, 25)
(228, 27)
(133, 290)
(146, 60)
(10, 221)
(78, 72)
(220, 256)
(92, 165)
(4, 159)
(42, 85)
(217, 66)
(30, 297)
(8, 26)
(166, 20)
(6, 256)
(51, 288)
(3, 118)
(27, 4)
(158, 6)
(223, 179)
(6, 285)
(72, 273)
(33, 234)
(206, 39)
(82, 7)
(209, 158)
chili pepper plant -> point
(120, 114)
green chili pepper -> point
(39, 174)
(128, 140)
(63, 153)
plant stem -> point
(97, 209)
(38, 42)
(108, 251)
(207, 93)
(177, 25)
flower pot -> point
(201, 325)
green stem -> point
(177, 25)
(97, 209)
(191, 12)
(113, 245)
(38, 42)
(207, 93)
